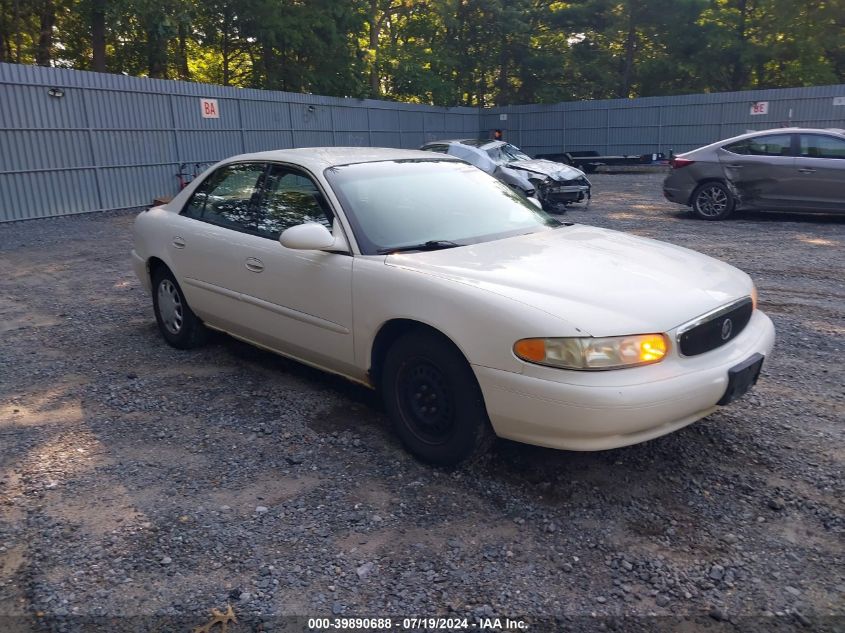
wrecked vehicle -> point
(788, 169)
(554, 185)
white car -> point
(472, 311)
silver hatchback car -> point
(787, 169)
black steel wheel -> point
(178, 324)
(434, 400)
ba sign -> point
(760, 107)
(209, 109)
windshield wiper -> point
(430, 245)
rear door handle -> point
(178, 242)
(254, 265)
(735, 166)
(807, 170)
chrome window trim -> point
(706, 317)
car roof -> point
(782, 130)
(472, 142)
(319, 158)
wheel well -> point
(388, 334)
(153, 265)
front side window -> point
(290, 198)
(401, 203)
(820, 146)
(227, 197)
(771, 145)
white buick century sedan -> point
(474, 313)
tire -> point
(177, 323)
(434, 401)
(712, 201)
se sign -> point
(209, 109)
(760, 107)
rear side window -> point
(820, 146)
(228, 197)
(771, 145)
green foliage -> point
(444, 52)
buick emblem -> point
(727, 328)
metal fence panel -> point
(72, 142)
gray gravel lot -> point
(141, 486)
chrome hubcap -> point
(170, 306)
(711, 201)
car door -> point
(819, 178)
(296, 301)
(759, 168)
(208, 238)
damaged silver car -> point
(786, 169)
(554, 185)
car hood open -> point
(558, 171)
(602, 282)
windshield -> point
(507, 153)
(396, 204)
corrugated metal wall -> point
(112, 142)
(660, 124)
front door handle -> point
(807, 170)
(254, 265)
(178, 242)
(735, 166)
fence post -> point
(92, 148)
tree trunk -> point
(47, 20)
(375, 83)
(156, 50)
(630, 49)
(184, 71)
(98, 36)
(224, 46)
(739, 74)
(16, 29)
(3, 37)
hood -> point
(558, 171)
(602, 282)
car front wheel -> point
(178, 324)
(712, 201)
(434, 401)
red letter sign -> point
(209, 109)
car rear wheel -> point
(178, 324)
(434, 401)
(712, 201)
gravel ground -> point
(140, 486)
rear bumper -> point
(607, 410)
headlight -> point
(613, 352)
(753, 297)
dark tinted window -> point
(771, 145)
(290, 198)
(437, 148)
(227, 197)
(820, 146)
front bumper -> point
(139, 265)
(565, 193)
(590, 411)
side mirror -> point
(307, 237)
(314, 237)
